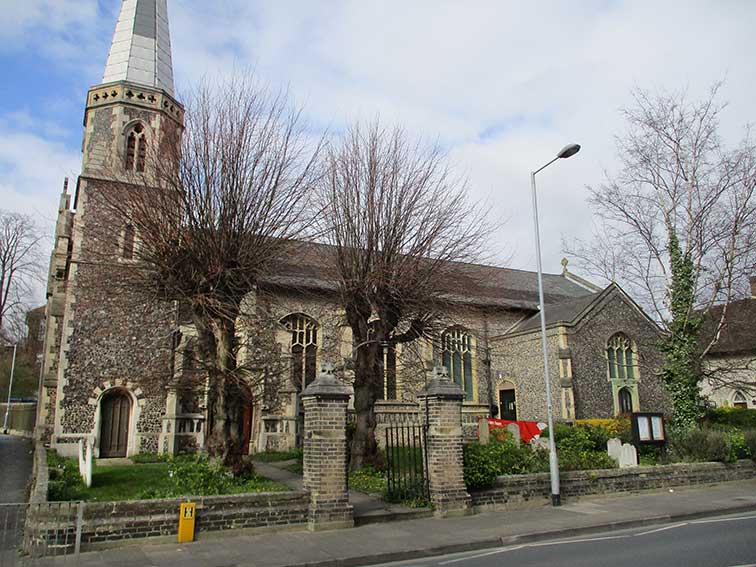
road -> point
(726, 541)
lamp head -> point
(569, 150)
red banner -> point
(529, 430)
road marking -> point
(672, 527)
(502, 550)
(563, 541)
(723, 520)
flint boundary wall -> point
(519, 491)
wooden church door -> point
(114, 433)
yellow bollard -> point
(187, 513)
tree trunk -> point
(225, 400)
(366, 376)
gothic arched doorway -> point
(625, 400)
(507, 401)
(115, 413)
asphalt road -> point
(16, 455)
(726, 541)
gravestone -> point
(484, 432)
(513, 431)
(628, 456)
(614, 448)
(540, 443)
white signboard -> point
(656, 427)
(644, 430)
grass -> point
(147, 481)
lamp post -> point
(10, 388)
(565, 152)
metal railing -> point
(407, 467)
(46, 533)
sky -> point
(500, 85)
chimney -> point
(752, 279)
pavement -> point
(403, 540)
(16, 458)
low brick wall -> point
(55, 522)
(517, 491)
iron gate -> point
(406, 463)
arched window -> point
(128, 242)
(136, 148)
(303, 349)
(621, 358)
(457, 354)
(625, 400)
(739, 400)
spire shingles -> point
(141, 49)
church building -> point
(112, 358)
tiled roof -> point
(739, 329)
(310, 265)
(562, 312)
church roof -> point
(140, 52)
(738, 334)
(309, 265)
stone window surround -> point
(473, 348)
(618, 383)
(137, 399)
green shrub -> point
(701, 445)
(65, 482)
(749, 436)
(741, 418)
(601, 430)
(483, 463)
(581, 448)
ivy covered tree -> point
(677, 228)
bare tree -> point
(396, 218)
(20, 266)
(210, 214)
(677, 221)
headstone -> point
(628, 456)
(614, 448)
(484, 432)
(540, 443)
(88, 462)
(513, 430)
(82, 465)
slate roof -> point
(140, 51)
(563, 312)
(739, 329)
(309, 265)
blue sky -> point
(500, 85)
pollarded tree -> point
(396, 217)
(209, 215)
(678, 227)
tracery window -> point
(739, 400)
(457, 349)
(303, 348)
(136, 148)
(621, 358)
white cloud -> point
(530, 76)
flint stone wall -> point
(524, 490)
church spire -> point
(141, 49)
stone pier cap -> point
(326, 385)
(439, 386)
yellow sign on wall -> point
(187, 513)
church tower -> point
(108, 349)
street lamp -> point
(10, 388)
(567, 151)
